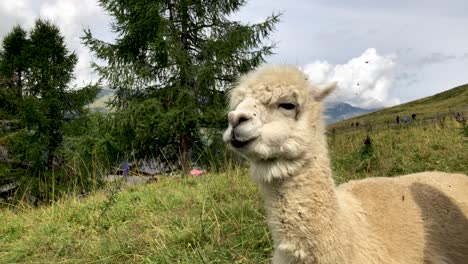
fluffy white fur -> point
(275, 122)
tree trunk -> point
(184, 148)
(186, 83)
(19, 84)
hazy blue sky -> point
(381, 52)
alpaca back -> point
(419, 218)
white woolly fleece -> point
(276, 123)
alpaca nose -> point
(236, 118)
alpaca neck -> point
(304, 212)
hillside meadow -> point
(215, 218)
(442, 105)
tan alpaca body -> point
(407, 219)
(418, 218)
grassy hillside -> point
(398, 151)
(103, 98)
(453, 100)
(219, 218)
(216, 218)
(211, 219)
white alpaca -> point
(276, 123)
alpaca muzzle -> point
(238, 141)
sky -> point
(381, 53)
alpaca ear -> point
(323, 91)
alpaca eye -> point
(287, 106)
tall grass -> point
(79, 164)
(400, 150)
(215, 218)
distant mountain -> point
(450, 101)
(105, 92)
(336, 112)
(100, 103)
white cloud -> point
(364, 81)
(70, 16)
(338, 31)
(435, 57)
(15, 12)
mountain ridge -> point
(450, 101)
(341, 111)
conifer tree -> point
(12, 70)
(38, 68)
(179, 56)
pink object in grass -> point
(196, 172)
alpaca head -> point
(275, 114)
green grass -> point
(101, 103)
(216, 218)
(451, 101)
(211, 219)
(399, 151)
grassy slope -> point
(215, 218)
(455, 99)
(211, 219)
(100, 104)
(399, 151)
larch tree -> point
(12, 70)
(178, 57)
(37, 69)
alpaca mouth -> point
(239, 144)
